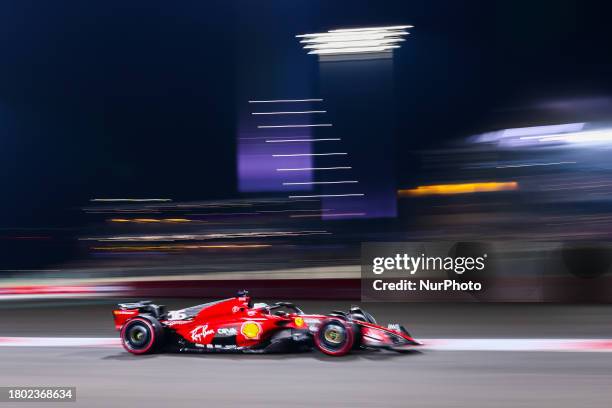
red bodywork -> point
(250, 326)
(121, 316)
(234, 324)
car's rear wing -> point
(127, 311)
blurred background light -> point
(460, 188)
(374, 40)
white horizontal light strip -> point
(354, 40)
(288, 113)
(360, 214)
(352, 44)
(360, 35)
(309, 154)
(287, 100)
(350, 38)
(557, 345)
(293, 126)
(543, 130)
(327, 195)
(316, 168)
(60, 342)
(286, 211)
(353, 50)
(589, 136)
(510, 166)
(264, 137)
(320, 182)
(354, 30)
(329, 215)
(129, 200)
(302, 140)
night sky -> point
(140, 99)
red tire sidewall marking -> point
(344, 350)
(151, 330)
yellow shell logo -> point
(250, 330)
(299, 322)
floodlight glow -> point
(600, 136)
(560, 135)
(367, 40)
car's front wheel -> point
(335, 337)
(142, 335)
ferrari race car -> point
(236, 324)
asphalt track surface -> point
(108, 376)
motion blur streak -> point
(129, 200)
(293, 126)
(288, 100)
(462, 188)
(602, 136)
(303, 140)
(309, 154)
(364, 41)
(322, 182)
(510, 166)
(35, 343)
(354, 50)
(570, 134)
(330, 215)
(188, 237)
(328, 195)
(355, 30)
(179, 247)
(317, 168)
(141, 220)
(540, 345)
(288, 113)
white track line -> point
(574, 345)
(42, 296)
(538, 345)
(59, 341)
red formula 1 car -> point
(236, 324)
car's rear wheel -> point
(335, 337)
(142, 335)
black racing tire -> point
(142, 335)
(335, 337)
